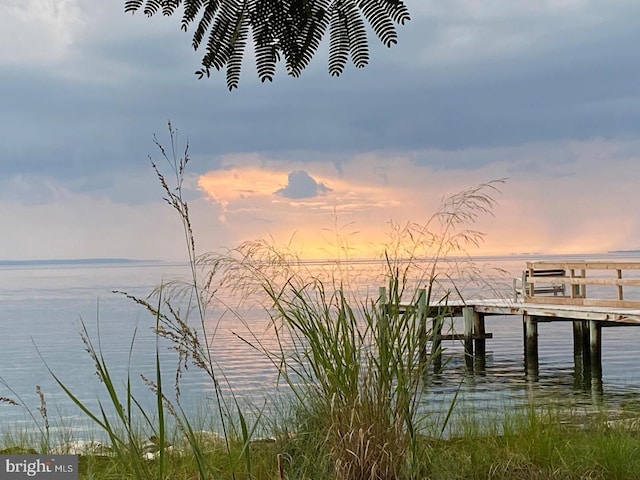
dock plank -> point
(556, 311)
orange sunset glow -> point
(348, 212)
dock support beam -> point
(530, 344)
(436, 343)
(468, 315)
(587, 355)
(580, 354)
(480, 341)
(577, 339)
(479, 334)
(422, 327)
(586, 351)
(474, 339)
(595, 342)
(595, 353)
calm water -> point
(42, 307)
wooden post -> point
(422, 318)
(382, 296)
(595, 344)
(578, 291)
(530, 343)
(383, 304)
(620, 295)
(384, 316)
(479, 332)
(480, 341)
(467, 315)
(586, 352)
(577, 338)
(581, 364)
(436, 343)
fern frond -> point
(291, 24)
(170, 6)
(190, 12)
(380, 21)
(313, 21)
(239, 41)
(265, 41)
(358, 45)
(132, 6)
(205, 22)
(397, 11)
(151, 7)
(224, 34)
(291, 30)
(338, 42)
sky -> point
(544, 94)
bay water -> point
(43, 307)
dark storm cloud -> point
(302, 185)
(122, 88)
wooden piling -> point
(530, 342)
(382, 301)
(467, 315)
(620, 292)
(577, 339)
(480, 342)
(588, 315)
(578, 355)
(586, 349)
(422, 319)
(595, 344)
(436, 342)
(479, 334)
(383, 315)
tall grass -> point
(122, 416)
(180, 318)
(355, 368)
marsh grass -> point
(355, 369)
(530, 442)
(518, 443)
(122, 417)
(356, 379)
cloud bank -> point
(545, 93)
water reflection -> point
(44, 306)
(494, 379)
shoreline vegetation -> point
(523, 444)
(355, 372)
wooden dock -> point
(548, 292)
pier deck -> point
(566, 300)
(606, 316)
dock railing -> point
(582, 274)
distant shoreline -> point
(308, 261)
(72, 261)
